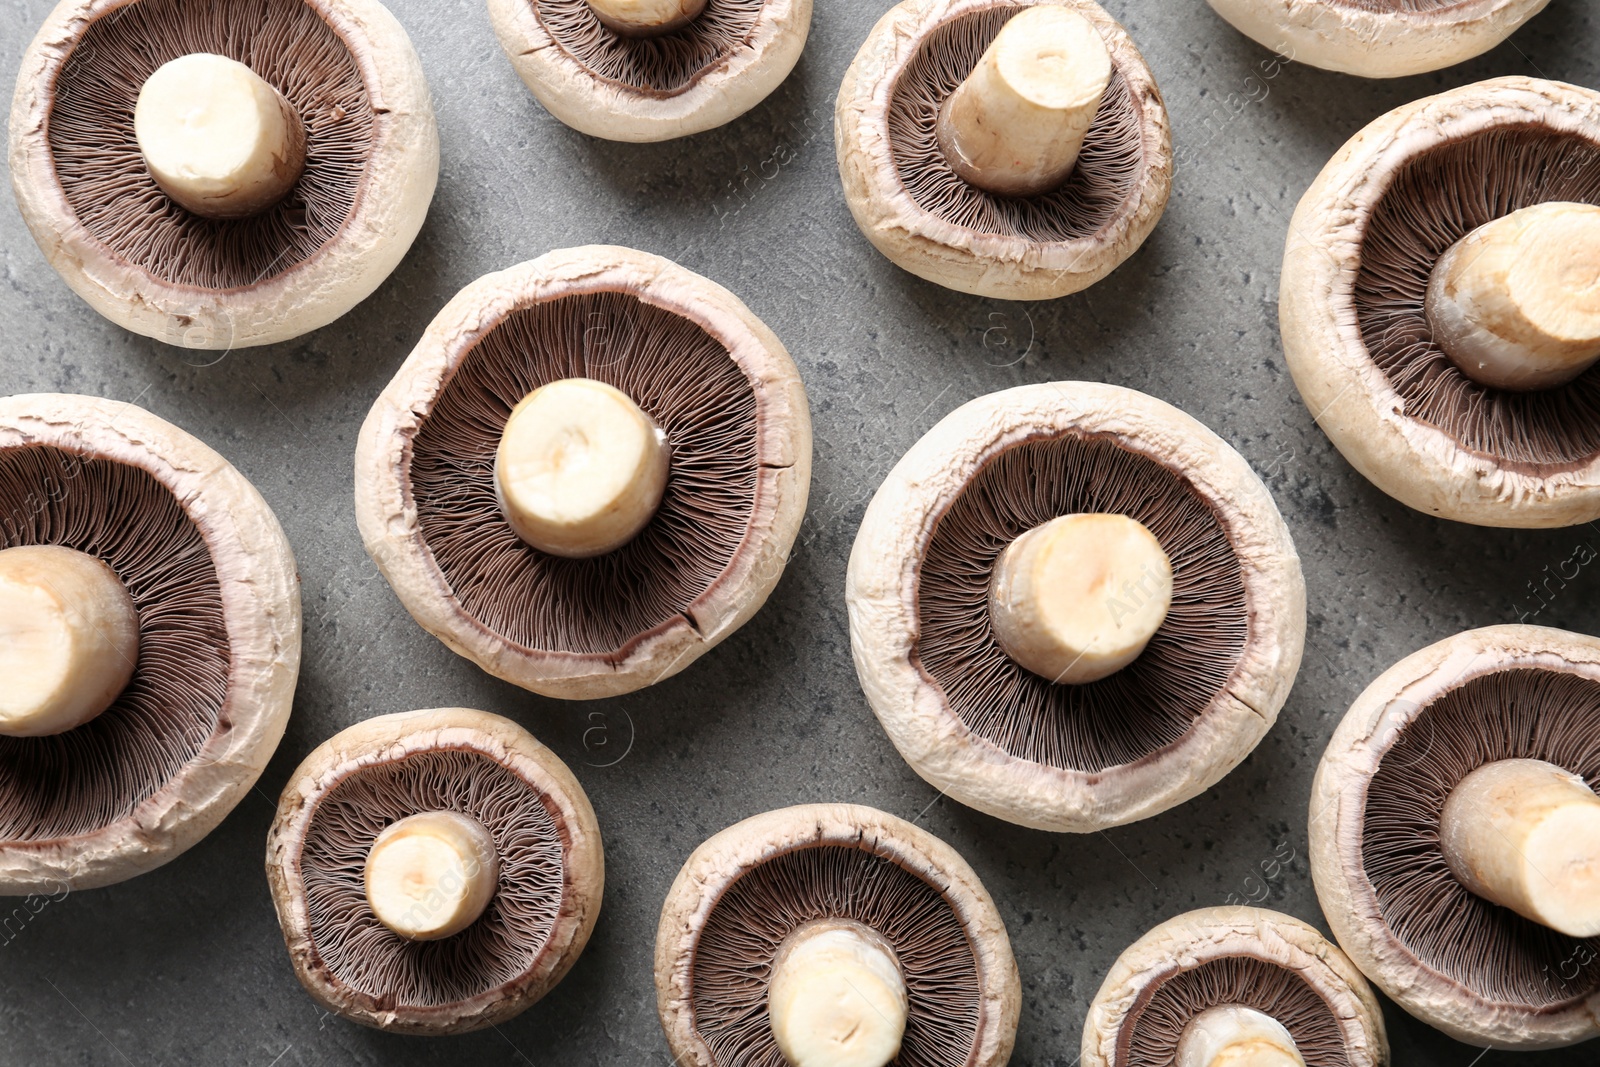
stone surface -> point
(185, 965)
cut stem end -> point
(1235, 1036)
(430, 876)
(837, 997)
(646, 18)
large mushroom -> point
(833, 935)
(1073, 606)
(1441, 303)
(1234, 987)
(651, 70)
(1379, 38)
(1016, 150)
(588, 473)
(1455, 835)
(223, 174)
(149, 641)
(434, 872)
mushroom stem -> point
(1015, 126)
(580, 469)
(646, 18)
(69, 639)
(837, 997)
(1079, 598)
(1231, 1035)
(1525, 834)
(1516, 303)
(430, 876)
(217, 138)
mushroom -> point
(197, 181)
(1455, 836)
(1379, 38)
(1234, 987)
(509, 479)
(1072, 606)
(833, 935)
(651, 70)
(1009, 150)
(1439, 303)
(434, 872)
(149, 633)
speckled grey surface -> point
(185, 966)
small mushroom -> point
(588, 473)
(1234, 987)
(1455, 836)
(434, 872)
(1378, 38)
(833, 935)
(149, 632)
(1072, 606)
(651, 70)
(1010, 150)
(197, 181)
(1439, 304)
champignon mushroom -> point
(1379, 38)
(833, 935)
(1016, 150)
(1044, 537)
(499, 533)
(434, 872)
(1455, 836)
(651, 70)
(149, 634)
(1438, 293)
(1224, 987)
(200, 181)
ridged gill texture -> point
(1140, 709)
(1106, 176)
(88, 778)
(733, 959)
(1435, 200)
(103, 175)
(1522, 713)
(652, 66)
(1406, 7)
(362, 954)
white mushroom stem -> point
(1079, 598)
(837, 998)
(1016, 125)
(1516, 303)
(69, 639)
(646, 18)
(580, 469)
(1235, 1036)
(1525, 834)
(217, 138)
(430, 876)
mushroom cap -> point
(934, 889)
(1482, 1008)
(993, 249)
(1378, 38)
(1339, 1017)
(888, 567)
(212, 763)
(770, 505)
(549, 812)
(709, 73)
(365, 226)
(1419, 429)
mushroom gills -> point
(837, 997)
(69, 639)
(1078, 598)
(1525, 834)
(1232, 1035)
(646, 18)
(217, 138)
(580, 469)
(1016, 125)
(431, 875)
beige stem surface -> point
(429, 876)
(1231, 1035)
(837, 998)
(646, 18)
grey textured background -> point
(185, 965)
